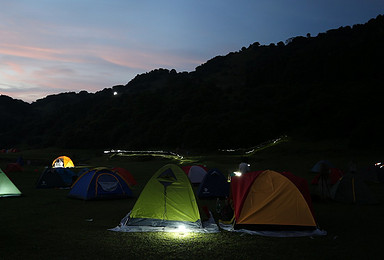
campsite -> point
(44, 223)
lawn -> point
(45, 224)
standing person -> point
(324, 183)
(244, 166)
(352, 167)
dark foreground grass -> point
(45, 224)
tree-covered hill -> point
(326, 86)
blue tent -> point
(319, 164)
(214, 185)
(56, 178)
(100, 183)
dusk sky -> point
(55, 46)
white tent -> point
(196, 174)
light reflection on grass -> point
(183, 236)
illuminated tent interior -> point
(273, 204)
(166, 203)
(7, 188)
(62, 162)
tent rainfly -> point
(272, 204)
(62, 162)
(7, 188)
(167, 203)
(100, 183)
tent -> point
(126, 175)
(374, 173)
(214, 185)
(13, 167)
(333, 176)
(273, 204)
(326, 176)
(7, 188)
(56, 178)
(62, 162)
(195, 173)
(100, 183)
(166, 203)
(352, 189)
(325, 181)
(318, 166)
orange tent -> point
(268, 200)
(62, 162)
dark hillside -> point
(325, 87)
(13, 113)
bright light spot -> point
(180, 232)
(175, 235)
(181, 229)
(115, 93)
(237, 173)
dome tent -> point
(62, 162)
(352, 189)
(214, 185)
(126, 175)
(7, 188)
(56, 178)
(272, 204)
(166, 203)
(100, 183)
(195, 173)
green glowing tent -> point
(7, 188)
(166, 201)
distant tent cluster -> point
(373, 173)
(11, 150)
(265, 202)
(85, 183)
(333, 183)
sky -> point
(55, 46)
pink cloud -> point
(37, 53)
(144, 60)
(11, 70)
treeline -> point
(324, 87)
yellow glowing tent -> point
(268, 200)
(166, 201)
(62, 162)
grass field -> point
(45, 224)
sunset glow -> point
(49, 47)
